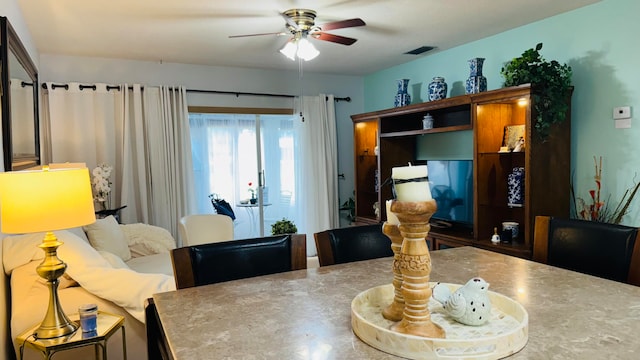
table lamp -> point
(44, 201)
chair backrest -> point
(238, 259)
(352, 243)
(601, 249)
(205, 228)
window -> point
(225, 160)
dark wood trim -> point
(182, 267)
(5, 93)
(323, 247)
(298, 251)
(413, 108)
(541, 239)
(9, 41)
(634, 267)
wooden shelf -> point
(547, 163)
(427, 131)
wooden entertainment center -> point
(388, 138)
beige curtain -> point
(83, 125)
(170, 167)
(319, 164)
(143, 134)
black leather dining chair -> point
(601, 249)
(352, 243)
(210, 263)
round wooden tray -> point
(505, 333)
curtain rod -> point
(236, 93)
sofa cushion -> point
(152, 264)
(145, 239)
(79, 232)
(106, 235)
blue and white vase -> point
(476, 82)
(427, 122)
(402, 97)
(437, 89)
(515, 183)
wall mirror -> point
(19, 95)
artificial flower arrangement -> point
(102, 185)
(598, 210)
(252, 190)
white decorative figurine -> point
(519, 145)
(495, 238)
(469, 305)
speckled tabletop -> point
(306, 314)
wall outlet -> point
(621, 112)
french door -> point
(248, 160)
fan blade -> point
(334, 38)
(342, 24)
(272, 33)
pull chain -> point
(301, 87)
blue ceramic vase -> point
(515, 182)
(402, 97)
(437, 89)
(476, 82)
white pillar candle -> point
(392, 219)
(412, 190)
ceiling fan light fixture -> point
(306, 50)
(290, 49)
(301, 24)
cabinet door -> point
(366, 169)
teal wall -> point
(446, 146)
(600, 42)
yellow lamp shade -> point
(45, 200)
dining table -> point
(306, 314)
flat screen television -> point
(451, 184)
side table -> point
(253, 222)
(108, 324)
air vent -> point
(420, 50)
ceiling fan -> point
(300, 23)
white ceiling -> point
(196, 31)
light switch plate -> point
(621, 112)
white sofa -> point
(115, 266)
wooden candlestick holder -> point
(415, 266)
(394, 311)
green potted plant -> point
(551, 82)
(283, 226)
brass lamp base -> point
(55, 323)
